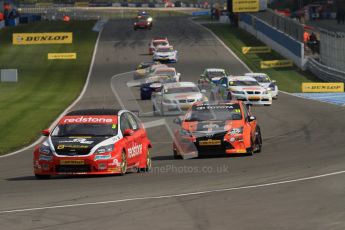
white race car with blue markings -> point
(265, 81)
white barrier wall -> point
(297, 57)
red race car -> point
(143, 23)
(93, 142)
(224, 127)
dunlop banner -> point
(42, 38)
(275, 64)
(53, 56)
(329, 87)
(256, 49)
(239, 6)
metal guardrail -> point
(325, 73)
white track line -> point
(169, 196)
(68, 108)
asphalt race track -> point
(297, 182)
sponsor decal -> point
(72, 162)
(89, 119)
(134, 151)
(45, 158)
(53, 56)
(102, 157)
(115, 163)
(210, 142)
(276, 64)
(317, 87)
(102, 166)
(72, 146)
(210, 107)
(256, 49)
(210, 126)
(60, 146)
(42, 38)
(239, 6)
(78, 140)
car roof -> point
(179, 84)
(113, 112)
(215, 70)
(256, 74)
(166, 68)
(160, 39)
(241, 78)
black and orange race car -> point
(93, 142)
(221, 128)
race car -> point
(212, 75)
(219, 128)
(265, 81)
(165, 71)
(165, 54)
(242, 88)
(93, 142)
(142, 73)
(176, 98)
(162, 42)
(153, 84)
(143, 23)
(146, 64)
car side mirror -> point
(251, 118)
(178, 121)
(45, 132)
(128, 132)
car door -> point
(129, 140)
(136, 151)
(251, 125)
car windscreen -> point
(213, 74)
(243, 83)
(164, 50)
(169, 73)
(262, 79)
(162, 43)
(214, 113)
(85, 129)
(181, 90)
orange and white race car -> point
(220, 128)
(93, 142)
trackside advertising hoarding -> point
(42, 38)
(321, 87)
(240, 6)
(256, 49)
(54, 56)
(276, 64)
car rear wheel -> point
(258, 141)
(42, 177)
(123, 163)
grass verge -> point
(45, 87)
(288, 79)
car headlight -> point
(45, 149)
(105, 149)
(234, 131)
(237, 92)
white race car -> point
(242, 88)
(142, 73)
(165, 54)
(166, 71)
(265, 81)
(162, 42)
(176, 97)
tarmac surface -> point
(297, 182)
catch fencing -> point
(332, 49)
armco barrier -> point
(277, 40)
(325, 73)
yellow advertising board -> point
(239, 6)
(53, 56)
(256, 49)
(81, 4)
(275, 64)
(320, 87)
(42, 38)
